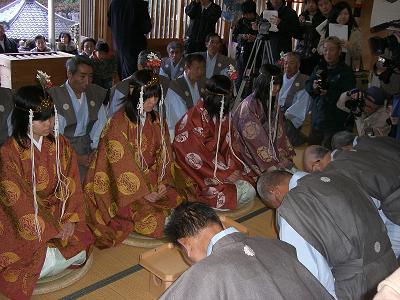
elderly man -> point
(371, 115)
(184, 92)
(334, 227)
(6, 107)
(294, 99)
(325, 85)
(216, 63)
(6, 45)
(80, 109)
(173, 65)
(229, 265)
(384, 146)
(377, 176)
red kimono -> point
(21, 253)
(195, 145)
(250, 122)
(116, 183)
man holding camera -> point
(325, 85)
(371, 115)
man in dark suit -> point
(6, 45)
(129, 22)
(203, 15)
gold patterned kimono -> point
(22, 254)
(116, 182)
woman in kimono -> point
(42, 222)
(260, 126)
(129, 186)
(204, 149)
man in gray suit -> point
(230, 265)
(378, 176)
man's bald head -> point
(316, 158)
(272, 186)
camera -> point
(263, 27)
(378, 47)
(322, 79)
(356, 105)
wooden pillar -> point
(93, 15)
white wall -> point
(384, 11)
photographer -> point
(368, 109)
(244, 35)
(328, 81)
(309, 19)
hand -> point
(67, 231)
(233, 177)
(162, 190)
(275, 20)
(152, 197)
(84, 160)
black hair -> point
(188, 219)
(262, 83)
(175, 45)
(65, 34)
(337, 8)
(211, 35)
(73, 63)
(39, 37)
(249, 6)
(26, 98)
(139, 79)
(85, 41)
(102, 46)
(342, 138)
(217, 84)
(190, 58)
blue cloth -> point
(210, 65)
(297, 112)
(175, 106)
(393, 230)
(306, 254)
(396, 113)
(219, 236)
(82, 118)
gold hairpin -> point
(45, 104)
(154, 80)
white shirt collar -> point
(296, 176)
(72, 92)
(219, 236)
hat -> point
(377, 95)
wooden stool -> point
(141, 241)
(166, 263)
(239, 212)
(62, 280)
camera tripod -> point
(261, 43)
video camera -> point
(263, 26)
(355, 105)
